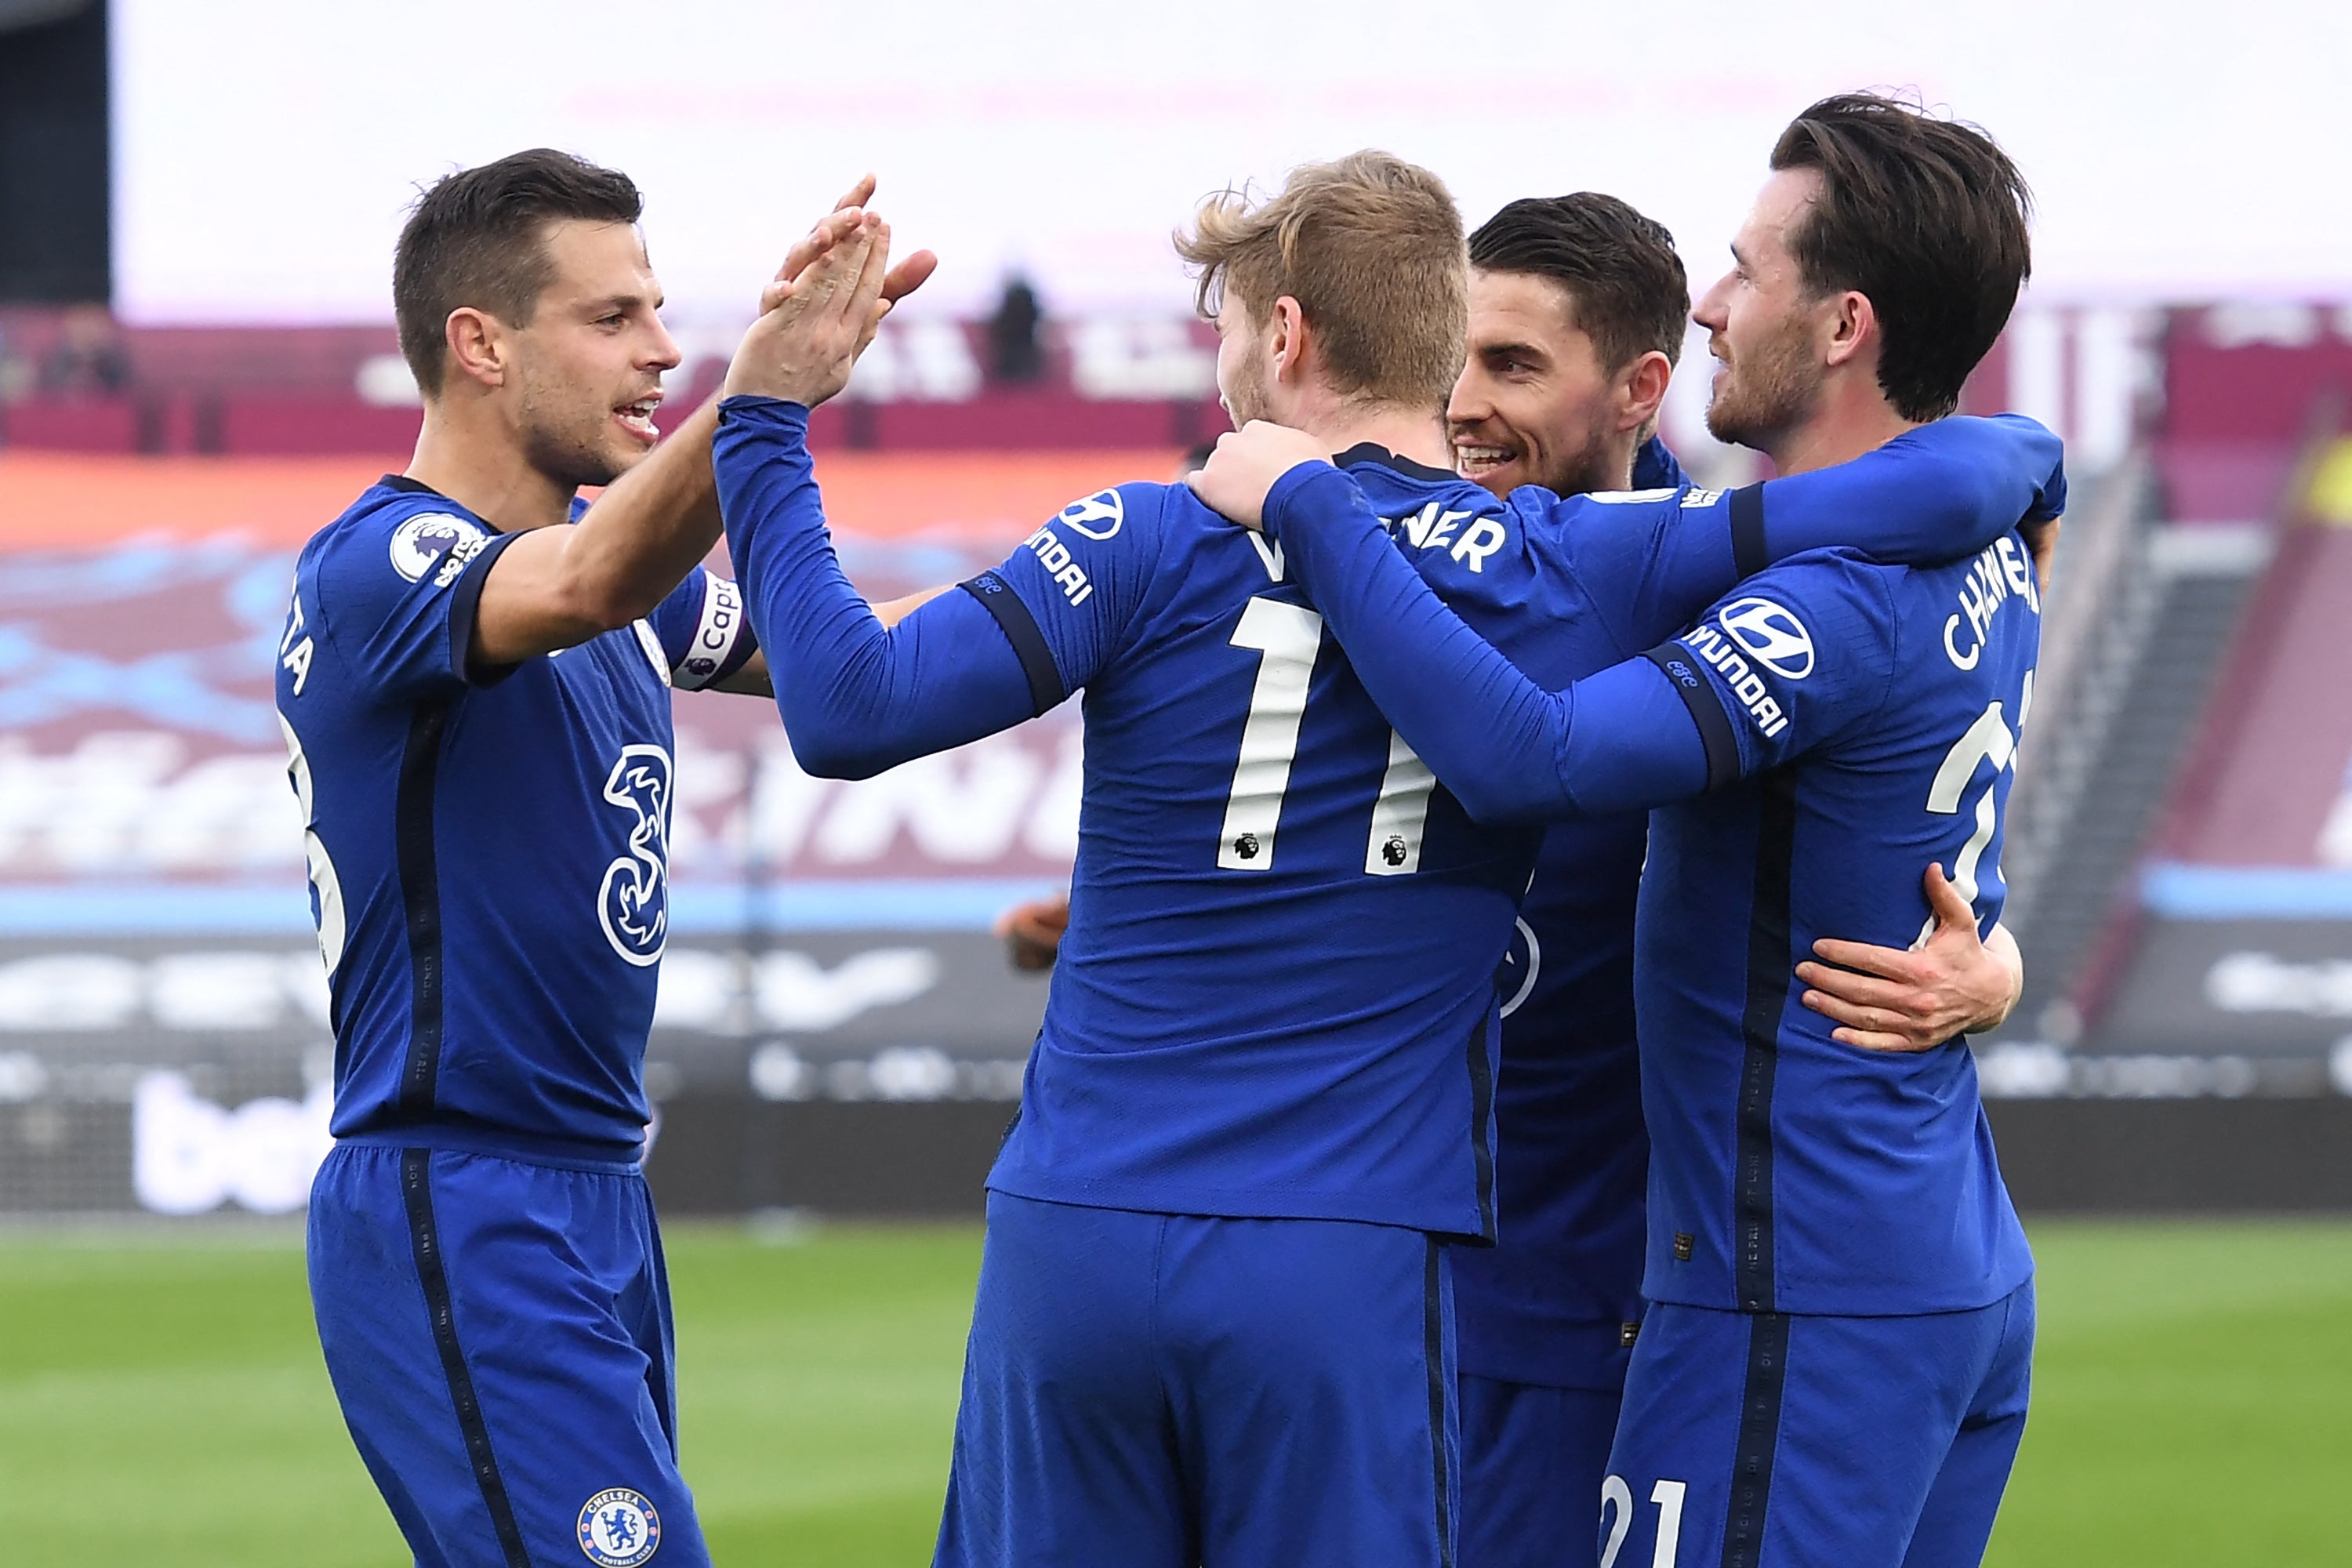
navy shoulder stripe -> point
(1749, 553)
(1706, 711)
(997, 598)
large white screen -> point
(265, 148)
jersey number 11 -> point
(1287, 638)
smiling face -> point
(1765, 327)
(1534, 404)
(587, 370)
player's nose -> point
(662, 353)
(1710, 311)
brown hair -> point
(1924, 216)
(1624, 280)
(478, 237)
(1371, 247)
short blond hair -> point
(1371, 249)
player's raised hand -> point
(1245, 465)
(1899, 999)
(897, 283)
(802, 350)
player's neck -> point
(1854, 417)
(1418, 434)
(1619, 462)
(477, 464)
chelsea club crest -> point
(619, 1529)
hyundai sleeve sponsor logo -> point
(1097, 516)
(1770, 635)
(419, 543)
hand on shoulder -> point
(1237, 477)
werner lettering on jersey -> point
(492, 990)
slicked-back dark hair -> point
(478, 239)
(1926, 216)
(1621, 272)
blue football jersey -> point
(487, 849)
(1259, 1006)
(1551, 1301)
(1860, 721)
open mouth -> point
(637, 417)
(1473, 458)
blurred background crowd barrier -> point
(837, 1028)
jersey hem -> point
(1142, 1198)
(1807, 1305)
(527, 1149)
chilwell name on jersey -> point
(2000, 572)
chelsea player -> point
(475, 685)
(1835, 1367)
(1213, 1318)
(1577, 312)
(1578, 306)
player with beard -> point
(487, 825)
(1213, 1318)
(1578, 306)
(1835, 1362)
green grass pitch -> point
(161, 1400)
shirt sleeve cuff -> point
(465, 608)
(745, 408)
(1292, 485)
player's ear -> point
(1286, 339)
(1853, 326)
(479, 346)
(1641, 388)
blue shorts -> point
(1159, 1391)
(1769, 1440)
(498, 1334)
(1533, 1458)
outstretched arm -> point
(857, 695)
(1941, 492)
(1511, 752)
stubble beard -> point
(1585, 472)
(568, 445)
(1770, 391)
(1246, 399)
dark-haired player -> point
(475, 684)
(1212, 1319)
(1834, 1367)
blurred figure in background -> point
(90, 360)
(1016, 354)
